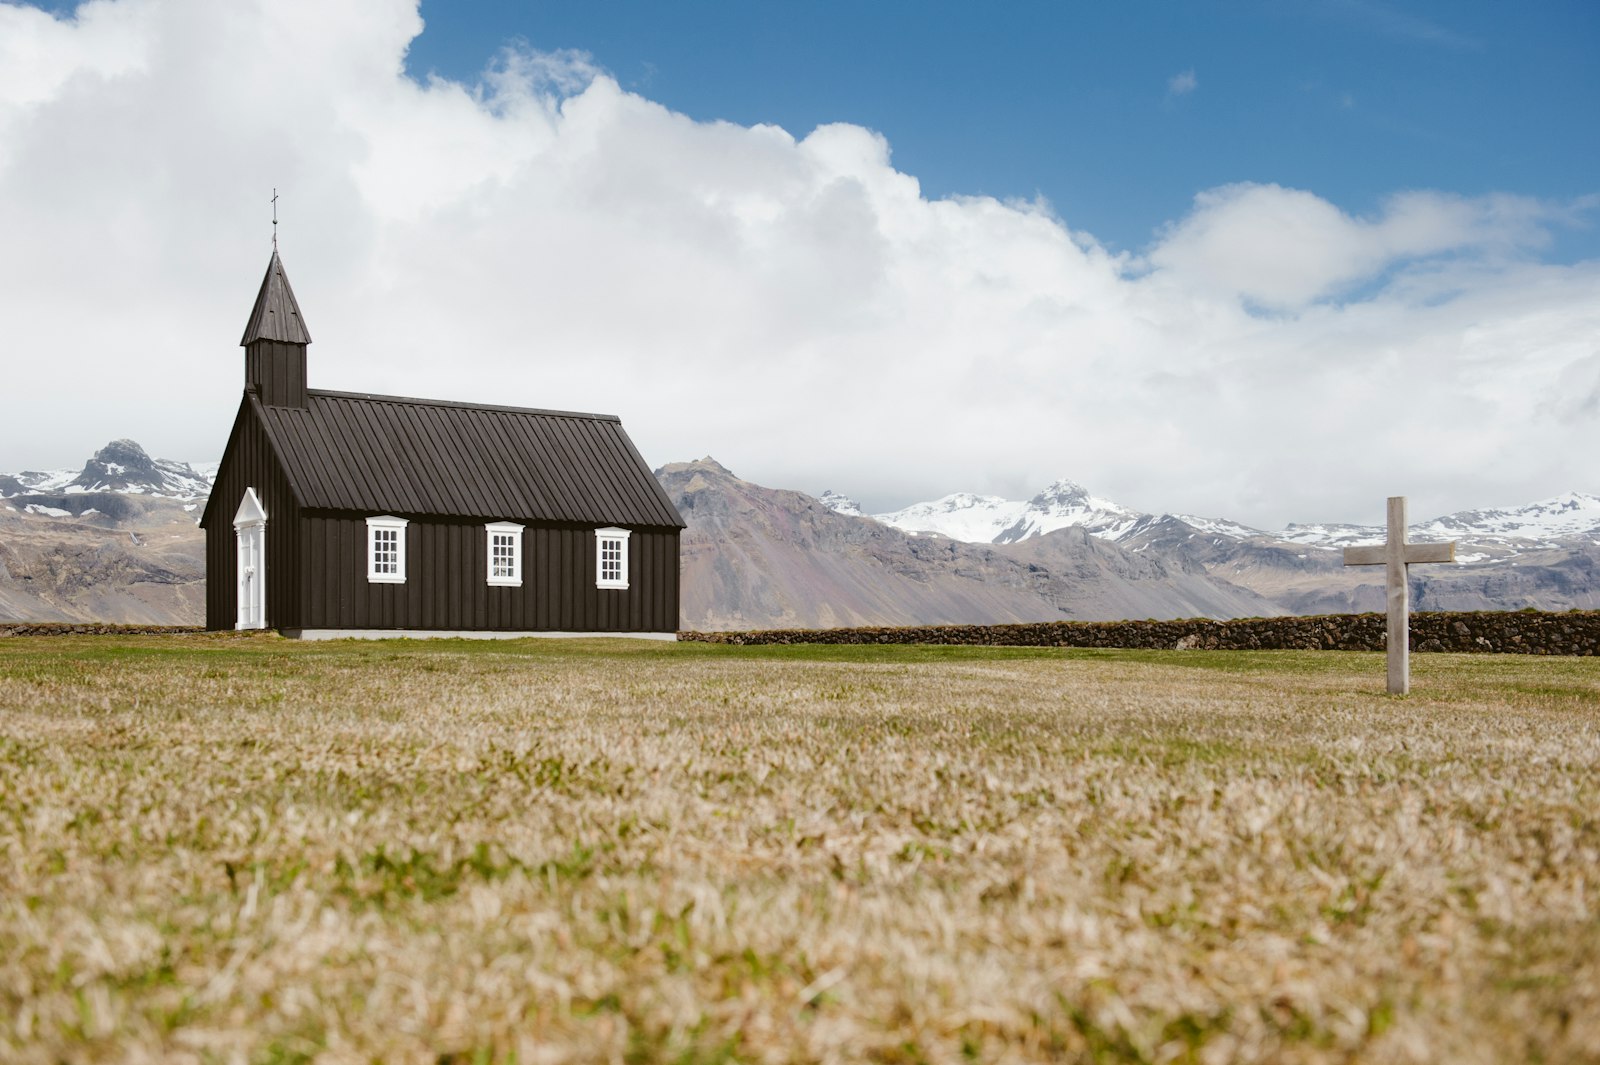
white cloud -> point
(1282, 248)
(1182, 84)
(793, 306)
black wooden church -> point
(345, 514)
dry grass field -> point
(243, 849)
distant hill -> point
(1544, 555)
(757, 557)
(121, 559)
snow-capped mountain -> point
(1067, 503)
(992, 519)
(1567, 515)
(962, 516)
(120, 466)
(1573, 514)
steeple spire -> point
(276, 315)
(275, 342)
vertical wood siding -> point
(278, 372)
(250, 463)
(447, 588)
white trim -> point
(504, 528)
(250, 563)
(250, 511)
(447, 634)
(386, 522)
(600, 538)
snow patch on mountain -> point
(1543, 523)
(1571, 514)
(1221, 527)
(963, 516)
(1331, 534)
(40, 481)
(1064, 504)
(981, 519)
(840, 504)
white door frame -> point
(250, 543)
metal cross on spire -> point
(274, 218)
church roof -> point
(276, 315)
(423, 457)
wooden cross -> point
(1396, 554)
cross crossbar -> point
(1378, 554)
(1396, 555)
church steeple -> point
(275, 342)
(276, 315)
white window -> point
(505, 553)
(611, 558)
(386, 550)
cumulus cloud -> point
(1182, 84)
(1283, 248)
(791, 304)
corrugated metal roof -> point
(422, 457)
(276, 315)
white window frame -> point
(504, 528)
(386, 522)
(600, 538)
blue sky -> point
(1078, 102)
(1268, 262)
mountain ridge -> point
(755, 557)
(977, 518)
(116, 540)
(121, 466)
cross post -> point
(1395, 554)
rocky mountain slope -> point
(1304, 579)
(123, 559)
(757, 557)
(114, 541)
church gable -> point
(248, 460)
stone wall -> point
(1505, 632)
(88, 628)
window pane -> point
(386, 551)
(611, 558)
(504, 549)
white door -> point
(250, 537)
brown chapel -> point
(347, 514)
